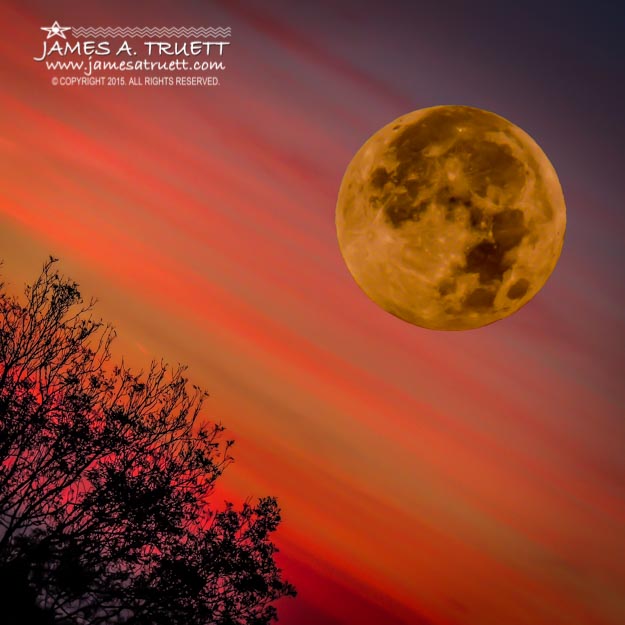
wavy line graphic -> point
(118, 31)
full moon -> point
(450, 218)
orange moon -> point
(450, 218)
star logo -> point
(56, 30)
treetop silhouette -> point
(106, 478)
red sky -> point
(425, 477)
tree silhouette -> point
(105, 484)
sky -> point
(425, 477)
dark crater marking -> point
(480, 299)
(446, 287)
(487, 163)
(476, 217)
(509, 228)
(487, 258)
(518, 289)
(484, 162)
(440, 125)
(379, 178)
(414, 169)
(403, 208)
